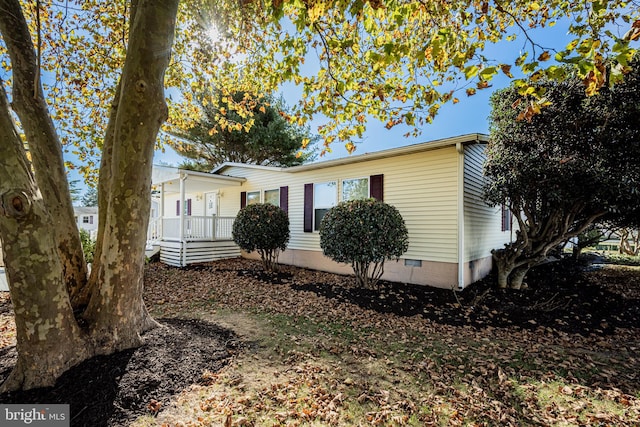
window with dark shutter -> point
(284, 199)
(308, 208)
(506, 218)
(376, 189)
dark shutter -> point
(188, 207)
(177, 207)
(308, 208)
(376, 189)
(243, 199)
(506, 218)
(284, 199)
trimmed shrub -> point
(364, 233)
(262, 227)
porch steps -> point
(180, 254)
(151, 249)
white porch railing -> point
(154, 231)
(205, 228)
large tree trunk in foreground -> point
(116, 310)
(49, 339)
(44, 145)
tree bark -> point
(49, 340)
(44, 145)
(516, 278)
(116, 310)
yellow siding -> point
(482, 222)
(422, 186)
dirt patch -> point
(114, 390)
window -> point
(86, 219)
(187, 207)
(324, 198)
(506, 218)
(253, 197)
(355, 189)
(272, 196)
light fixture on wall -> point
(199, 196)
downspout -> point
(461, 241)
(183, 244)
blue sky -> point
(470, 115)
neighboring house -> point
(87, 219)
(436, 186)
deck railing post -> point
(214, 223)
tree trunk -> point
(516, 278)
(44, 145)
(116, 310)
(504, 265)
(49, 340)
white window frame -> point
(316, 207)
(258, 192)
(342, 198)
(274, 190)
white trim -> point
(399, 151)
(461, 241)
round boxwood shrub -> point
(364, 233)
(262, 227)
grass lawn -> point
(320, 355)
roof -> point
(472, 138)
(85, 210)
(199, 181)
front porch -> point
(190, 228)
(195, 233)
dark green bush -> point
(262, 227)
(364, 233)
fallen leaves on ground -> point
(321, 352)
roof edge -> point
(470, 138)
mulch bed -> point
(113, 390)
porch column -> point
(183, 245)
(161, 212)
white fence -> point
(206, 228)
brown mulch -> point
(564, 307)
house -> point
(436, 186)
(87, 219)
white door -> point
(211, 207)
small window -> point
(506, 218)
(324, 198)
(355, 189)
(85, 220)
(272, 196)
(253, 197)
